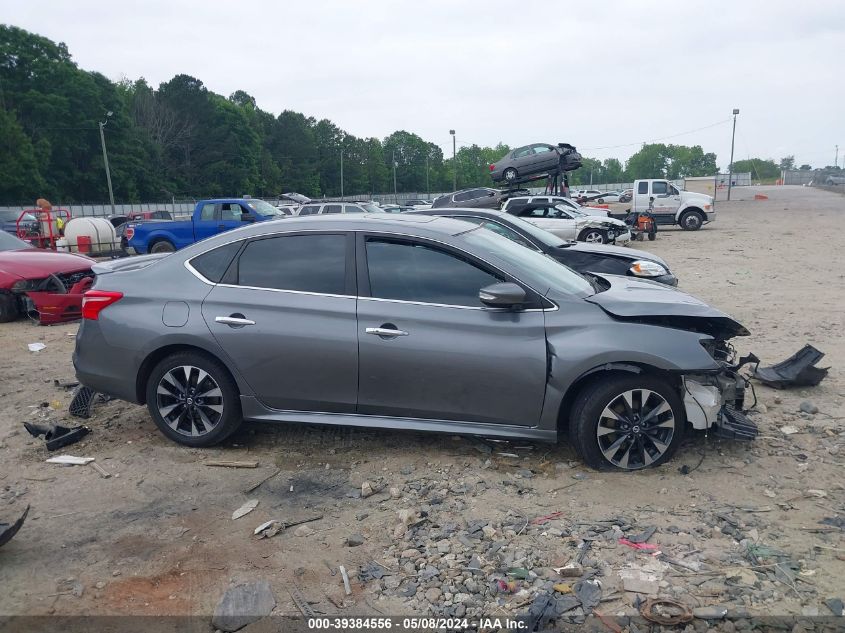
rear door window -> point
(213, 264)
(309, 210)
(304, 263)
(333, 208)
(351, 208)
(207, 211)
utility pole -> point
(106, 159)
(395, 194)
(836, 160)
(731, 166)
(341, 173)
(427, 188)
(454, 162)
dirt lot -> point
(741, 529)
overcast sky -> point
(604, 75)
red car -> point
(41, 282)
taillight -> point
(95, 301)
(492, 167)
(129, 232)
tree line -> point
(181, 140)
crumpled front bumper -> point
(717, 401)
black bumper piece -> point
(734, 425)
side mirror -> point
(502, 295)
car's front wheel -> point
(595, 236)
(193, 399)
(627, 422)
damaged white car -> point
(569, 224)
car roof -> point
(406, 223)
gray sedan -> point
(411, 322)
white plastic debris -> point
(70, 460)
(36, 347)
(245, 509)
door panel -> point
(453, 364)
(302, 352)
(206, 225)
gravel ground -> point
(450, 517)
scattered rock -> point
(367, 489)
(303, 530)
(395, 493)
(245, 509)
(808, 407)
(789, 429)
(242, 605)
(710, 613)
(433, 594)
(354, 540)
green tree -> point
(787, 163)
(760, 169)
(22, 181)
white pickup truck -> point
(687, 209)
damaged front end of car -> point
(55, 299)
(717, 399)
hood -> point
(615, 251)
(694, 195)
(598, 220)
(658, 304)
(36, 263)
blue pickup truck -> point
(210, 218)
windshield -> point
(264, 208)
(568, 212)
(536, 233)
(537, 270)
(9, 242)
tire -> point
(594, 236)
(600, 200)
(652, 237)
(163, 246)
(691, 220)
(509, 174)
(206, 421)
(595, 411)
(9, 310)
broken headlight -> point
(27, 285)
(645, 268)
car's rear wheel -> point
(594, 236)
(193, 399)
(163, 247)
(691, 220)
(509, 174)
(627, 422)
(8, 307)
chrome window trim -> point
(196, 273)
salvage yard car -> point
(579, 256)
(46, 284)
(521, 201)
(534, 161)
(478, 197)
(569, 224)
(411, 322)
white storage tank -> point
(90, 235)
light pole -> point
(102, 124)
(731, 166)
(427, 188)
(341, 173)
(454, 162)
(395, 194)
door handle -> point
(234, 321)
(387, 332)
(221, 226)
